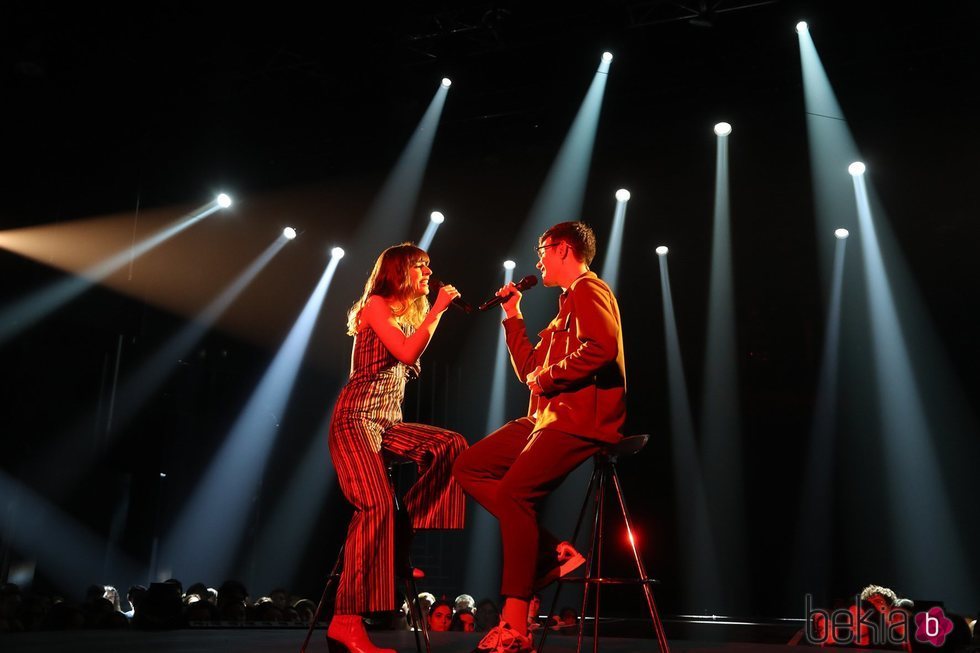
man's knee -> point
(508, 494)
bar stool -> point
(603, 473)
(404, 570)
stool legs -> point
(658, 626)
(594, 558)
(578, 528)
(604, 473)
(404, 527)
(334, 575)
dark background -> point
(300, 113)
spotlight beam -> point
(720, 415)
(815, 526)
(610, 267)
(482, 567)
(295, 513)
(695, 535)
(30, 310)
(389, 216)
(930, 553)
(219, 505)
(140, 386)
(66, 551)
(435, 220)
(831, 148)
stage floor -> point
(289, 640)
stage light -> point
(447, 82)
(437, 217)
(662, 251)
(801, 27)
(607, 56)
(509, 265)
(622, 195)
(289, 233)
(856, 169)
(224, 200)
(337, 252)
(841, 234)
(723, 129)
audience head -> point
(463, 621)
(135, 595)
(465, 602)
(440, 616)
(426, 600)
(882, 598)
(534, 607)
(487, 615)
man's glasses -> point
(540, 250)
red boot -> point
(347, 632)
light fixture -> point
(856, 169)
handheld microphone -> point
(527, 282)
(458, 302)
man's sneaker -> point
(504, 639)
(567, 560)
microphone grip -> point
(461, 304)
(496, 301)
(458, 302)
(522, 285)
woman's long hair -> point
(390, 280)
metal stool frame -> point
(604, 472)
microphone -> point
(458, 302)
(527, 282)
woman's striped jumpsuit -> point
(367, 421)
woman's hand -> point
(445, 297)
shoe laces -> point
(503, 639)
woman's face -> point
(468, 621)
(440, 618)
(418, 278)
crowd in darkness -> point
(169, 605)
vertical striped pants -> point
(435, 501)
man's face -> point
(549, 257)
